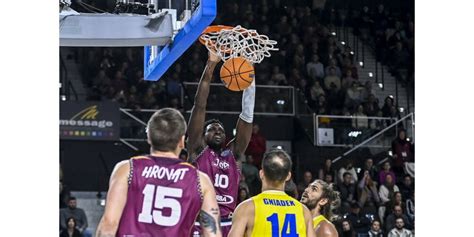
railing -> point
(349, 131)
(375, 137)
(132, 126)
(270, 100)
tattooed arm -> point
(209, 216)
(116, 199)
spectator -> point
(348, 168)
(397, 200)
(250, 172)
(315, 69)
(71, 230)
(375, 230)
(321, 105)
(385, 171)
(291, 189)
(371, 107)
(353, 95)
(400, 56)
(326, 169)
(399, 230)
(347, 230)
(316, 91)
(388, 104)
(333, 65)
(277, 77)
(64, 194)
(373, 171)
(407, 187)
(307, 179)
(332, 80)
(347, 80)
(347, 191)
(360, 120)
(360, 222)
(78, 214)
(257, 146)
(386, 193)
(410, 205)
(402, 152)
(243, 195)
(149, 99)
(347, 64)
(119, 82)
(367, 91)
(329, 178)
(368, 195)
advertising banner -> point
(89, 120)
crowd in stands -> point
(310, 58)
(375, 201)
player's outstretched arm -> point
(209, 216)
(309, 222)
(198, 112)
(241, 217)
(245, 121)
(116, 199)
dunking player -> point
(206, 145)
(158, 194)
(318, 197)
(272, 212)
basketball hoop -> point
(232, 42)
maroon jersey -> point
(225, 175)
(164, 198)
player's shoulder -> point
(246, 207)
(326, 228)
(139, 157)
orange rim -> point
(214, 28)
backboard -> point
(190, 18)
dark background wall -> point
(87, 165)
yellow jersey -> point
(278, 215)
(318, 220)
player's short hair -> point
(71, 198)
(211, 121)
(165, 129)
(276, 165)
(346, 173)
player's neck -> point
(168, 154)
(315, 212)
(217, 150)
(266, 187)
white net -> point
(239, 42)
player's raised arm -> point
(198, 112)
(116, 199)
(209, 216)
(244, 123)
(309, 222)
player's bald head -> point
(276, 165)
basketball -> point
(237, 74)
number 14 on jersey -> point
(289, 226)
